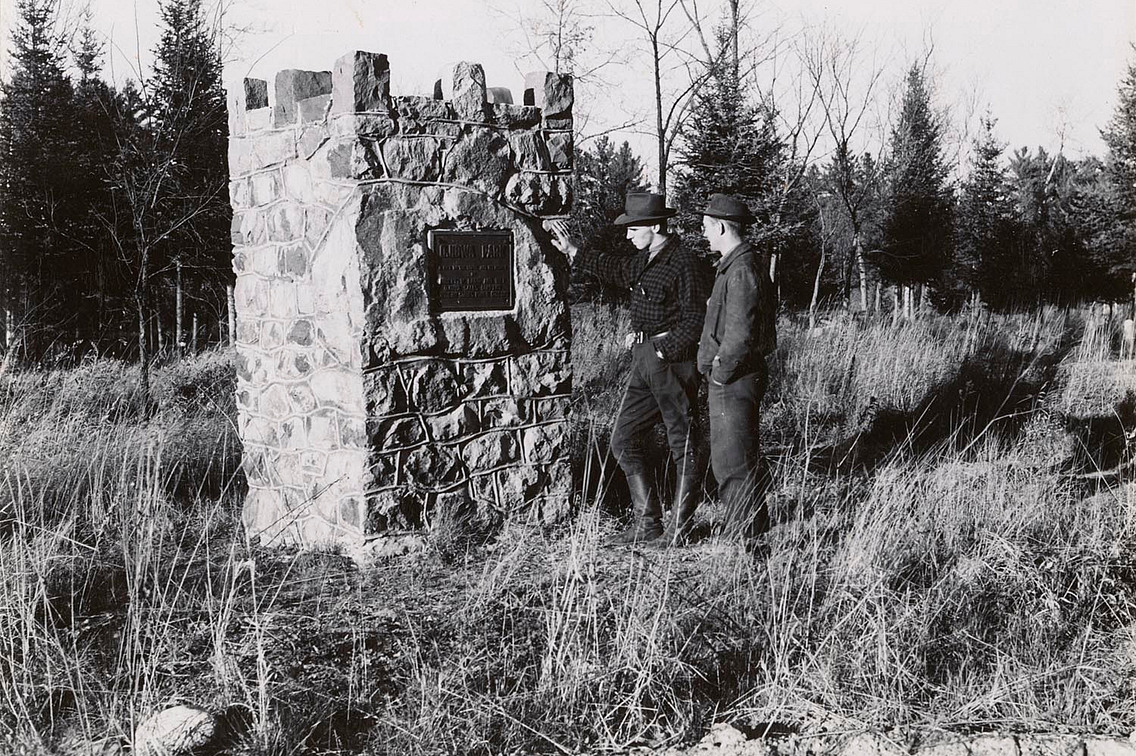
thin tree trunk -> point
(879, 289)
(232, 308)
(660, 133)
(862, 266)
(816, 287)
(193, 336)
(179, 312)
(11, 338)
(734, 40)
(895, 311)
(846, 279)
(143, 352)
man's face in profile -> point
(640, 236)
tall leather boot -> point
(647, 523)
(681, 518)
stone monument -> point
(402, 323)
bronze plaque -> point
(471, 270)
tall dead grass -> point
(107, 515)
(966, 575)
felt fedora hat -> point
(728, 208)
(644, 209)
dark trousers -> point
(657, 390)
(735, 450)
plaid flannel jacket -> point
(667, 294)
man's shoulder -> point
(744, 263)
(682, 254)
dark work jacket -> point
(740, 327)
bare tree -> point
(561, 36)
(684, 54)
(826, 234)
(793, 99)
(666, 119)
(147, 211)
(660, 24)
(167, 193)
(848, 80)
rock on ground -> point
(177, 731)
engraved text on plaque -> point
(471, 270)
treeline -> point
(891, 228)
(114, 211)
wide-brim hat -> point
(728, 208)
(644, 209)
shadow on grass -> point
(993, 392)
(1103, 443)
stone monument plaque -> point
(471, 270)
(403, 352)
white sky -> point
(1042, 66)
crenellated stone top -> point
(360, 83)
(349, 127)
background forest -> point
(114, 211)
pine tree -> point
(1035, 179)
(170, 174)
(604, 176)
(189, 122)
(917, 217)
(99, 303)
(729, 145)
(853, 181)
(36, 177)
(982, 256)
(1092, 241)
(1120, 166)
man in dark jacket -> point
(738, 334)
(668, 301)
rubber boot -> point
(647, 523)
(681, 519)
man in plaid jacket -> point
(668, 303)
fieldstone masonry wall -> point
(361, 408)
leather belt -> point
(638, 337)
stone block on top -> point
(361, 83)
(293, 85)
(550, 92)
(256, 94)
(494, 95)
(251, 95)
(469, 91)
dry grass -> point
(938, 559)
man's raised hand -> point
(561, 238)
